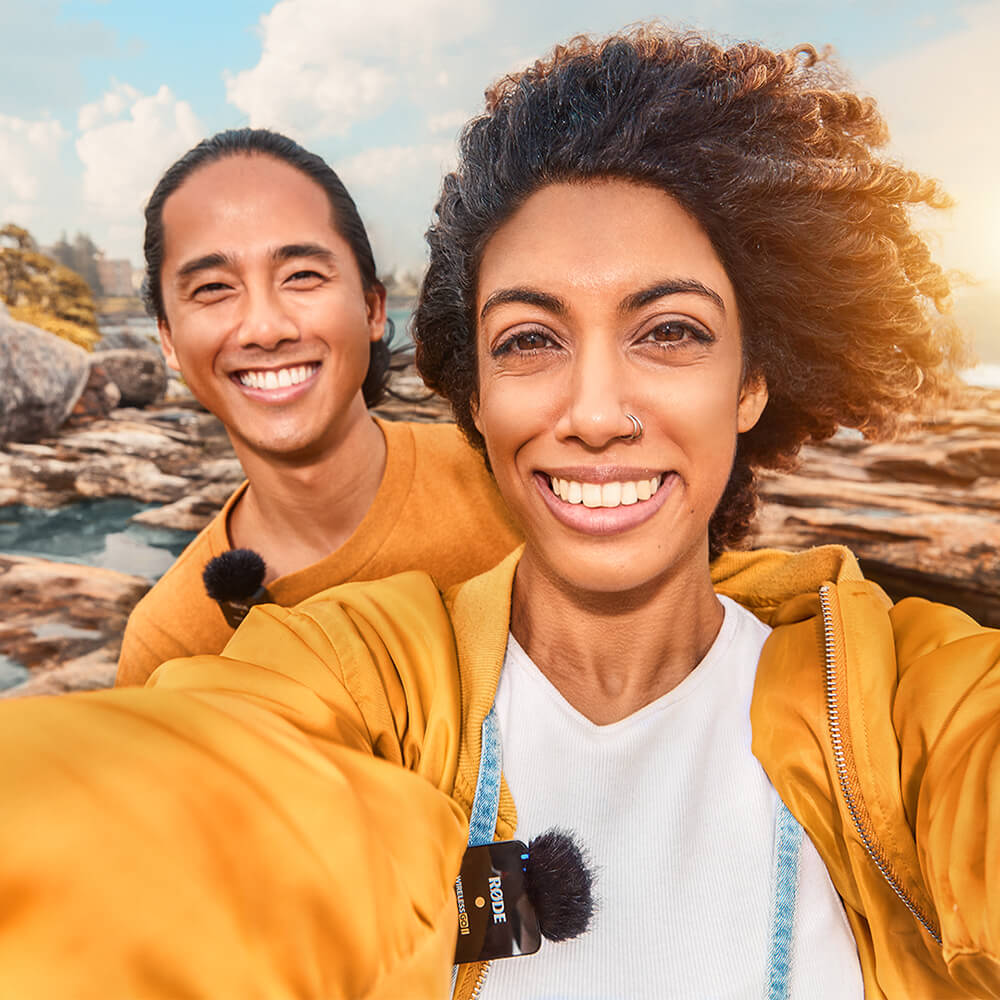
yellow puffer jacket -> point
(291, 814)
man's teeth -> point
(279, 379)
(604, 494)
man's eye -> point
(210, 287)
(305, 276)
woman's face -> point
(595, 301)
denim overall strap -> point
(485, 805)
(787, 841)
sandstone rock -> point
(42, 378)
(125, 338)
(89, 672)
(99, 397)
(194, 511)
(127, 476)
(922, 514)
(65, 618)
(140, 375)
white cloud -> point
(26, 148)
(948, 131)
(126, 141)
(448, 121)
(108, 108)
(33, 175)
(395, 187)
(326, 64)
(396, 166)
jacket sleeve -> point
(947, 715)
(244, 827)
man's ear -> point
(753, 399)
(167, 343)
(375, 300)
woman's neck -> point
(611, 654)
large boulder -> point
(140, 375)
(42, 377)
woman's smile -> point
(603, 501)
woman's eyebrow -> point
(528, 296)
(673, 286)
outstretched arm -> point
(245, 828)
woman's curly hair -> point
(842, 306)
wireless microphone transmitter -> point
(510, 896)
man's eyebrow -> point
(674, 286)
(203, 263)
(527, 296)
(292, 250)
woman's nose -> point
(266, 323)
(594, 410)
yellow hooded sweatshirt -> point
(287, 819)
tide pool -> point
(94, 533)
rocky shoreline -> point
(922, 514)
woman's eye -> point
(675, 332)
(524, 342)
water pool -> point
(92, 532)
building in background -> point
(115, 276)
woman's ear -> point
(474, 410)
(753, 399)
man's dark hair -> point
(839, 299)
(346, 220)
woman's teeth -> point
(276, 378)
(604, 494)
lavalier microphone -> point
(235, 581)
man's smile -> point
(276, 378)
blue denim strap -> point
(486, 802)
(787, 841)
(485, 805)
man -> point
(261, 278)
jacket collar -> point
(480, 614)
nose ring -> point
(636, 428)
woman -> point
(658, 266)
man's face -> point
(266, 315)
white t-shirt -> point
(678, 818)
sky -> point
(100, 96)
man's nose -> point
(266, 323)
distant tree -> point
(63, 253)
(41, 291)
(85, 262)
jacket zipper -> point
(480, 981)
(868, 841)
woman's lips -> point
(606, 507)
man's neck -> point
(295, 513)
